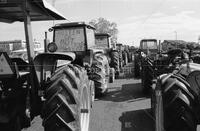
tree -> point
(104, 26)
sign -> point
(70, 39)
(5, 68)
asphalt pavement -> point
(123, 108)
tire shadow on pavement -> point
(139, 120)
(128, 92)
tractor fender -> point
(61, 55)
(96, 51)
(47, 61)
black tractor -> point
(175, 98)
(102, 41)
(144, 56)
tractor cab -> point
(149, 47)
(119, 46)
(76, 37)
(73, 37)
(102, 40)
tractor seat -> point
(21, 64)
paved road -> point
(124, 108)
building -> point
(172, 44)
(13, 45)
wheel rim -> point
(113, 75)
(159, 115)
(106, 85)
(85, 111)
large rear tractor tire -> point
(99, 74)
(115, 62)
(136, 66)
(147, 78)
(178, 107)
(178, 115)
(67, 105)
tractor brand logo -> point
(5, 68)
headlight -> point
(52, 47)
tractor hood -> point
(59, 55)
(95, 51)
(13, 10)
(46, 61)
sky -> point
(136, 19)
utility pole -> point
(176, 37)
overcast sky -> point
(136, 19)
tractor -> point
(148, 52)
(103, 42)
(194, 55)
(174, 88)
(96, 62)
(53, 85)
(123, 57)
(175, 98)
(128, 51)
